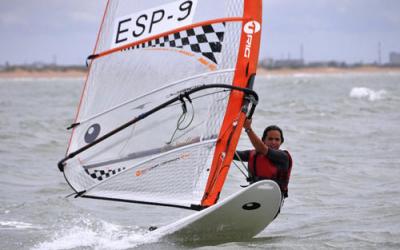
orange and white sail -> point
(164, 101)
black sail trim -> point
(191, 207)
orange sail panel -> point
(233, 122)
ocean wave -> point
(95, 234)
(4, 225)
(369, 94)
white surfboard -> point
(239, 217)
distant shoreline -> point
(74, 73)
(20, 73)
(326, 70)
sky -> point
(352, 31)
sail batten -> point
(184, 28)
(164, 101)
(151, 152)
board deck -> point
(239, 217)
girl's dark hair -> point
(272, 127)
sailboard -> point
(239, 217)
(164, 101)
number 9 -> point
(185, 6)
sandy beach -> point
(19, 73)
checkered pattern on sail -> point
(103, 174)
(206, 40)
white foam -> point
(16, 225)
(100, 235)
(366, 93)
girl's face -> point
(273, 139)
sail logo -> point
(151, 22)
(250, 28)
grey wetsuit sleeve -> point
(244, 155)
(279, 157)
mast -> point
(232, 125)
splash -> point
(96, 235)
(366, 93)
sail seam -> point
(132, 157)
(117, 49)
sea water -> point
(343, 132)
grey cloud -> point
(328, 29)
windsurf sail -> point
(164, 101)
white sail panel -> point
(177, 177)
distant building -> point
(267, 62)
(283, 63)
(289, 63)
(394, 58)
(5, 67)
